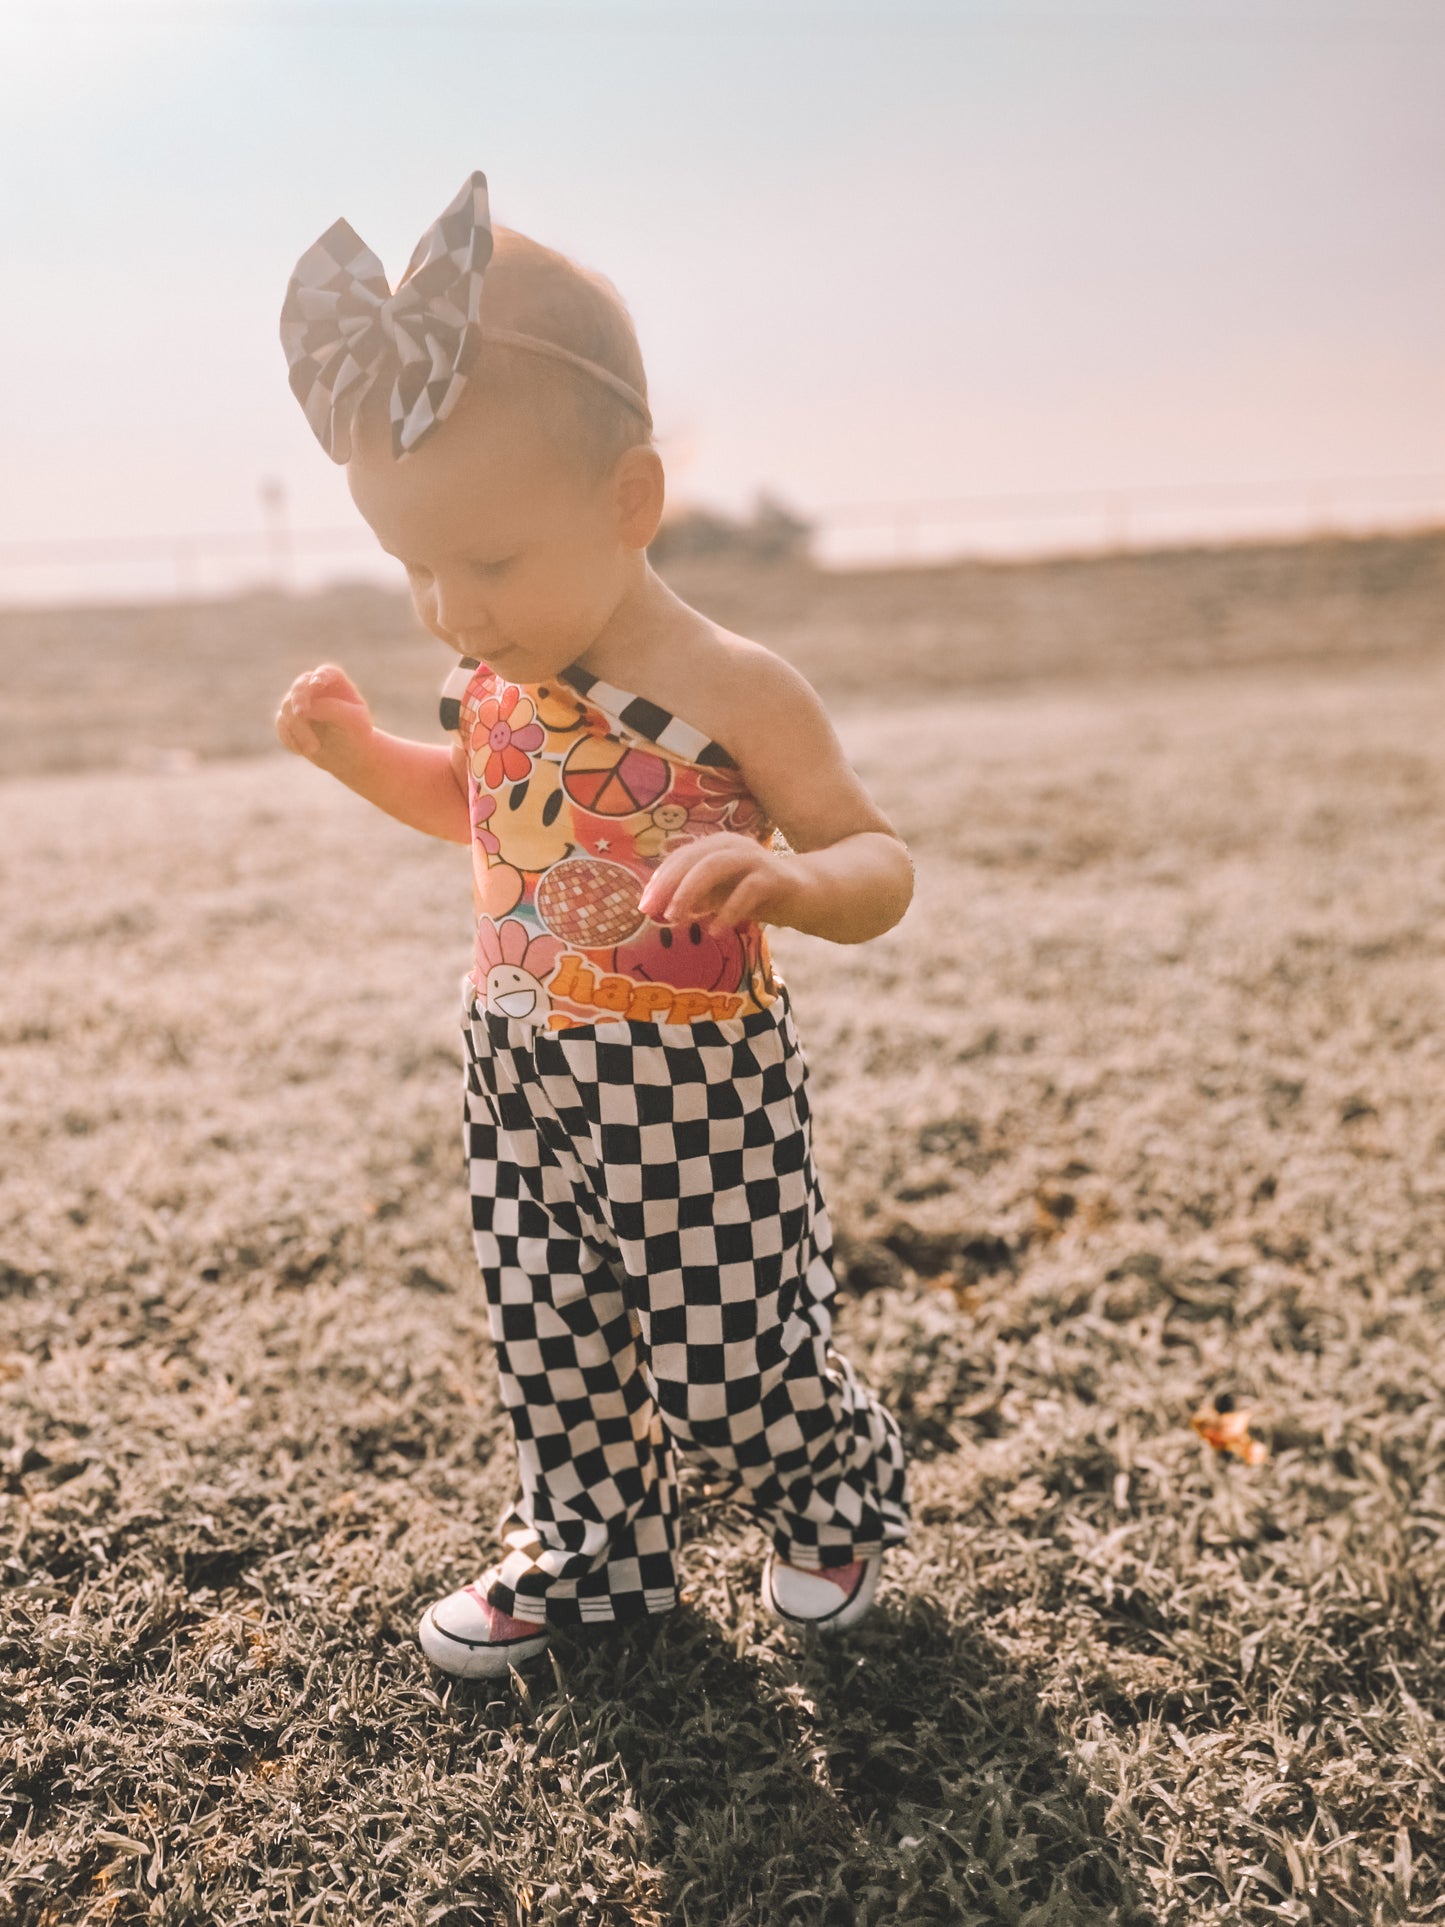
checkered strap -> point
(635, 714)
(454, 689)
(341, 324)
(647, 719)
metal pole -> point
(278, 533)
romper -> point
(652, 1237)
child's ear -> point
(639, 490)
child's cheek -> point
(426, 615)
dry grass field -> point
(1143, 1102)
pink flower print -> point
(719, 785)
(482, 808)
(511, 964)
(748, 817)
(728, 800)
(511, 730)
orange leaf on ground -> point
(1222, 1425)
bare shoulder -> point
(772, 722)
(741, 692)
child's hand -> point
(723, 879)
(324, 717)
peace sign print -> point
(611, 779)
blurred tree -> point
(773, 533)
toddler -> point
(651, 1234)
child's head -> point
(525, 515)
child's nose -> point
(458, 606)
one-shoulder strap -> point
(648, 719)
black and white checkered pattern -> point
(657, 1260)
(340, 321)
(649, 720)
(453, 690)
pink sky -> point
(875, 253)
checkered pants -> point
(657, 1262)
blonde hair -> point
(535, 290)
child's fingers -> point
(666, 900)
(331, 679)
(664, 880)
(329, 683)
(744, 900)
(657, 899)
(295, 733)
(301, 737)
(714, 871)
(334, 709)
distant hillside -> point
(126, 686)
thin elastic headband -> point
(541, 346)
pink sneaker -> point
(463, 1634)
(828, 1597)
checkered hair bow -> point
(340, 318)
(340, 322)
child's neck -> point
(647, 623)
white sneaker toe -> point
(806, 1598)
(464, 1635)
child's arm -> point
(324, 718)
(851, 877)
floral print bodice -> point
(578, 790)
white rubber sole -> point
(475, 1658)
(848, 1611)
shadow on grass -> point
(899, 1774)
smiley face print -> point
(531, 822)
(664, 829)
(511, 963)
(689, 955)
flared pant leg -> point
(591, 1533)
